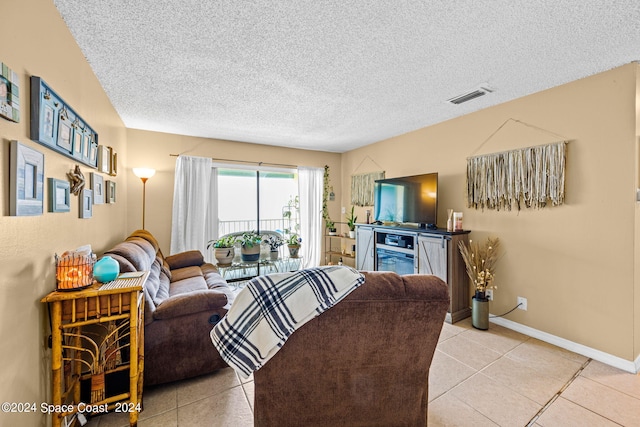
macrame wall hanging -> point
(362, 185)
(531, 177)
(362, 188)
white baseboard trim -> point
(606, 358)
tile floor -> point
(478, 378)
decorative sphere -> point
(106, 269)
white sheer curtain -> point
(310, 186)
(191, 226)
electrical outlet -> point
(489, 294)
(344, 210)
(522, 303)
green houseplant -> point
(274, 242)
(250, 246)
(293, 243)
(331, 226)
(327, 192)
(351, 222)
(223, 249)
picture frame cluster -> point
(58, 127)
(27, 186)
(55, 125)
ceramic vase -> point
(480, 311)
(224, 255)
(294, 251)
(106, 269)
(250, 254)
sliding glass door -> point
(255, 199)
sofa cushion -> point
(133, 253)
(185, 273)
(144, 234)
(188, 285)
(148, 238)
(163, 290)
(185, 259)
(153, 281)
(163, 265)
(192, 302)
(216, 282)
(144, 245)
(149, 306)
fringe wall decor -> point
(362, 188)
(529, 177)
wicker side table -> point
(79, 354)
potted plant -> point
(351, 222)
(250, 246)
(290, 214)
(327, 195)
(293, 243)
(223, 249)
(480, 262)
(274, 242)
(331, 226)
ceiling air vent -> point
(480, 91)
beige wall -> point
(35, 41)
(153, 149)
(574, 263)
(636, 292)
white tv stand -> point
(395, 248)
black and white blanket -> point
(270, 308)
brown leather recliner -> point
(364, 362)
(184, 298)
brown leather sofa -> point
(364, 362)
(184, 298)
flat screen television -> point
(409, 199)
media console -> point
(418, 251)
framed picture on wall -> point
(97, 185)
(113, 165)
(48, 124)
(78, 137)
(59, 195)
(86, 203)
(86, 143)
(104, 159)
(111, 191)
(27, 180)
(64, 133)
(93, 153)
(9, 94)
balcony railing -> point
(226, 227)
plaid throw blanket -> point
(270, 308)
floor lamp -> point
(144, 174)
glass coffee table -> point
(245, 270)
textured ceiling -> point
(336, 75)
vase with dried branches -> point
(480, 261)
